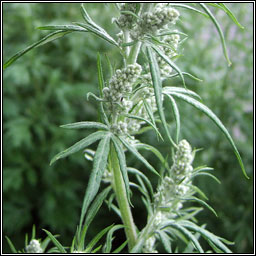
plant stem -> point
(119, 187)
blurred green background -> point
(48, 86)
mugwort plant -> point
(129, 103)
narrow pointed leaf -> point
(121, 247)
(46, 39)
(165, 240)
(217, 25)
(101, 86)
(63, 28)
(84, 125)
(79, 145)
(55, 241)
(190, 236)
(135, 152)
(206, 234)
(187, 74)
(104, 35)
(12, 247)
(189, 8)
(216, 120)
(228, 12)
(146, 121)
(154, 70)
(96, 206)
(170, 62)
(176, 116)
(170, 89)
(110, 237)
(122, 164)
(97, 238)
(99, 166)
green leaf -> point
(146, 121)
(33, 232)
(55, 241)
(190, 236)
(134, 151)
(228, 12)
(12, 247)
(82, 125)
(121, 247)
(154, 70)
(193, 198)
(142, 175)
(176, 116)
(187, 74)
(110, 238)
(122, 164)
(155, 151)
(164, 238)
(46, 39)
(96, 206)
(102, 34)
(217, 25)
(101, 86)
(97, 238)
(189, 8)
(206, 234)
(171, 89)
(80, 145)
(206, 174)
(99, 166)
(70, 28)
(216, 120)
(170, 62)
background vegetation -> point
(48, 87)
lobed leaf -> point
(216, 120)
(79, 145)
(99, 166)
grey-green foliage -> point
(115, 112)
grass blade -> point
(82, 125)
(79, 145)
(46, 39)
(154, 70)
(99, 166)
(217, 25)
(216, 120)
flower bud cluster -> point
(149, 246)
(121, 83)
(34, 247)
(120, 128)
(173, 41)
(126, 21)
(176, 185)
(151, 22)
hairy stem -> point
(119, 187)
